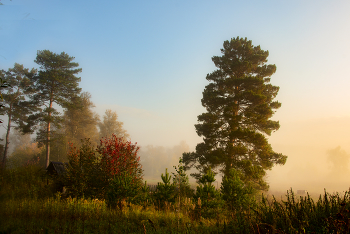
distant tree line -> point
(30, 98)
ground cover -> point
(30, 205)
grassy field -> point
(29, 205)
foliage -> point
(14, 103)
(210, 198)
(27, 153)
(235, 193)
(25, 181)
(180, 179)
(120, 163)
(3, 84)
(144, 196)
(165, 190)
(17, 139)
(28, 206)
(84, 176)
(330, 214)
(92, 216)
(206, 190)
(110, 125)
(119, 156)
(239, 102)
(80, 121)
(122, 188)
(91, 170)
(56, 83)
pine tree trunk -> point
(228, 167)
(7, 139)
(48, 137)
(48, 144)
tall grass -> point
(330, 214)
(28, 182)
(55, 215)
(29, 204)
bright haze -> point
(147, 60)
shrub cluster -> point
(112, 171)
(109, 171)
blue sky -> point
(147, 60)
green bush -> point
(165, 192)
(210, 198)
(84, 177)
(122, 188)
(181, 181)
(235, 193)
(143, 196)
(91, 170)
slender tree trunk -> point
(9, 128)
(48, 143)
(228, 167)
(48, 136)
(7, 139)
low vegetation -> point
(30, 203)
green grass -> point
(55, 215)
(29, 205)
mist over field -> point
(318, 155)
(148, 62)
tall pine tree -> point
(56, 83)
(15, 104)
(239, 102)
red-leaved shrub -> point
(90, 170)
(119, 156)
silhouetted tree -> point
(239, 102)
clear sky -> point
(147, 60)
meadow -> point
(30, 204)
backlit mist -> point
(148, 62)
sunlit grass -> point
(86, 215)
(29, 205)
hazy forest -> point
(104, 182)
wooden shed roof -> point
(56, 168)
